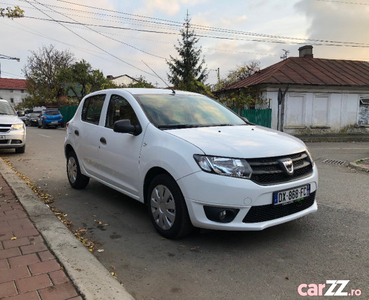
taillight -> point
(44, 117)
(66, 126)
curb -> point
(90, 277)
(340, 138)
(357, 166)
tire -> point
(44, 126)
(76, 179)
(21, 149)
(167, 208)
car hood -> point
(240, 141)
(9, 119)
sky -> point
(138, 37)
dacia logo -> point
(287, 166)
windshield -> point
(186, 111)
(6, 109)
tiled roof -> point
(310, 71)
(12, 84)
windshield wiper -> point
(178, 126)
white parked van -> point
(191, 160)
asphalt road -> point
(329, 245)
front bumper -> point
(202, 189)
(12, 139)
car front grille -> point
(5, 127)
(270, 212)
(268, 171)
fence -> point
(68, 112)
(262, 117)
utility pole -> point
(2, 56)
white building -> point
(320, 95)
(13, 90)
(122, 80)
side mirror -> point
(125, 126)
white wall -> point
(320, 110)
(123, 80)
(16, 95)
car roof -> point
(138, 91)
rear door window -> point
(92, 107)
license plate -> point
(288, 196)
(53, 122)
(2, 137)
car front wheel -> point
(21, 149)
(76, 179)
(167, 208)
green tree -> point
(12, 13)
(242, 97)
(80, 79)
(41, 71)
(188, 72)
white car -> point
(12, 129)
(191, 160)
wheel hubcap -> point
(72, 169)
(163, 207)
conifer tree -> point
(188, 71)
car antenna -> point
(174, 92)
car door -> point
(86, 140)
(119, 152)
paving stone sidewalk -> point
(28, 270)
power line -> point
(226, 31)
(88, 40)
(255, 39)
(200, 28)
(126, 44)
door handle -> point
(103, 141)
(76, 132)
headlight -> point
(234, 167)
(310, 157)
(17, 127)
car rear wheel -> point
(76, 179)
(167, 208)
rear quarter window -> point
(92, 107)
(52, 112)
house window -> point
(295, 111)
(320, 117)
(11, 100)
(11, 91)
(22, 91)
(363, 118)
(364, 102)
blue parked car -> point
(50, 117)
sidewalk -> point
(40, 259)
(28, 270)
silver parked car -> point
(12, 129)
